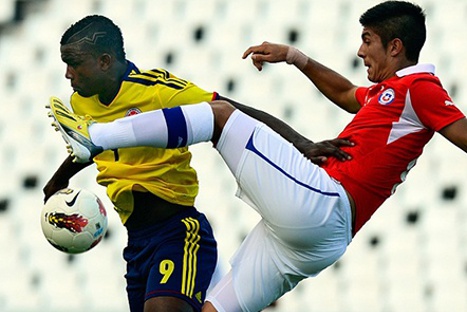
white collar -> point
(417, 68)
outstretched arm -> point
(316, 152)
(62, 176)
(331, 84)
(456, 133)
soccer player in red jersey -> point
(394, 118)
(309, 213)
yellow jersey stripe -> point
(190, 256)
(155, 76)
(146, 80)
(166, 75)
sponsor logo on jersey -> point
(387, 97)
(133, 111)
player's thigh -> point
(264, 268)
(177, 259)
(285, 187)
(136, 281)
(260, 273)
(183, 265)
(167, 304)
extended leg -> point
(166, 128)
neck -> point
(392, 70)
(404, 64)
(113, 85)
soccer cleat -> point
(74, 130)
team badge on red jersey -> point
(386, 97)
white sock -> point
(165, 128)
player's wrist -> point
(296, 57)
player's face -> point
(375, 56)
(82, 69)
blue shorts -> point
(175, 258)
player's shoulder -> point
(156, 77)
(418, 74)
(156, 72)
(424, 84)
(419, 84)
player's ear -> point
(396, 46)
(105, 61)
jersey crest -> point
(133, 111)
(386, 97)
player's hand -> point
(319, 152)
(266, 52)
(52, 187)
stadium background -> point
(412, 256)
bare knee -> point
(208, 307)
(167, 304)
(222, 111)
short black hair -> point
(398, 19)
(99, 32)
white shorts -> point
(306, 215)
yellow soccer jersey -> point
(165, 173)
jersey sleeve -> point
(177, 92)
(361, 95)
(433, 105)
(191, 94)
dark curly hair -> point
(98, 33)
(398, 19)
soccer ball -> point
(74, 220)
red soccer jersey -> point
(397, 118)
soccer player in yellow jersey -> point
(171, 253)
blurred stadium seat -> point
(411, 257)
